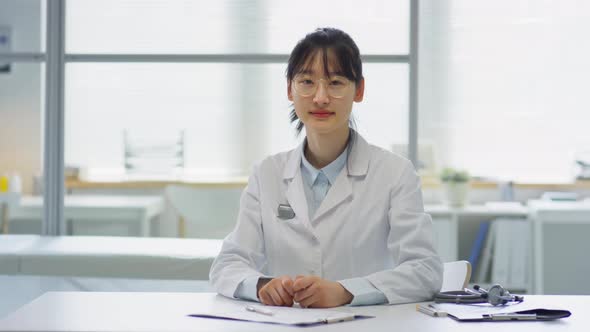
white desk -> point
(137, 210)
(147, 312)
(446, 222)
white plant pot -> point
(455, 193)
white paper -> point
(281, 315)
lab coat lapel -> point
(296, 199)
(340, 190)
(358, 158)
(356, 165)
(295, 194)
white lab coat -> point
(371, 224)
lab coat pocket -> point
(294, 223)
(289, 245)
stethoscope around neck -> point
(496, 295)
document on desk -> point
(487, 312)
(247, 311)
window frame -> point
(56, 58)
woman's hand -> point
(277, 291)
(315, 292)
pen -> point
(259, 310)
(430, 310)
(427, 311)
(335, 320)
(510, 316)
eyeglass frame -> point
(294, 84)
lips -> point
(321, 114)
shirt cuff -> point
(247, 289)
(363, 292)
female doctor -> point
(335, 221)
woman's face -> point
(328, 109)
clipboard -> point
(524, 315)
(292, 316)
(482, 313)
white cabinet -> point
(555, 249)
(456, 231)
(561, 244)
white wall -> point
(21, 94)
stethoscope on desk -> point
(496, 295)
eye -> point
(338, 81)
(305, 81)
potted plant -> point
(455, 186)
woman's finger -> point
(285, 297)
(276, 298)
(264, 297)
(309, 301)
(302, 283)
(304, 294)
(287, 284)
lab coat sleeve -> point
(363, 292)
(418, 272)
(247, 289)
(242, 253)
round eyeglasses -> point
(307, 85)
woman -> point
(335, 221)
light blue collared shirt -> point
(316, 184)
(364, 293)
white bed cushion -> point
(120, 257)
(10, 248)
(18, 290)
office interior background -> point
(165, 106)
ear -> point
(289, 93)
(360, 91)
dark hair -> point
(323, 40)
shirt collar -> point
(331, 170)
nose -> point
(321, 94)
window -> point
(229, 98)
(503, 86)
(212, 71)
(21, 100)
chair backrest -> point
(456, 275)
(207, 213)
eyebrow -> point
(311, 72)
